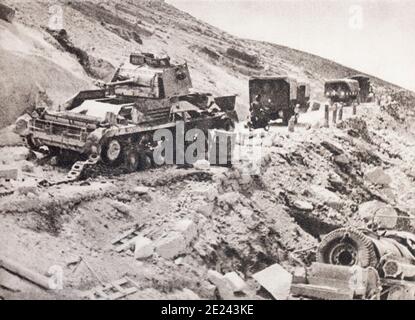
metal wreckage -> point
(360, 264)
(115, 124)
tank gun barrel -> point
(128, 81)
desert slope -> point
(108, 31)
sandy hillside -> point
(108, 31)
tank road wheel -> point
(112, 152)
(132, 161)
(347, 247)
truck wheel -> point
(132, 161)
(347, 247)
(112, 152)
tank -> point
(116, 122)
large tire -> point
(348, 247)
(112, 152)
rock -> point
(28, 187)
(141, 190)
(203, 165)
(229, 198)
(187, 228)
(144, 247)
(245, 212)
(378, 176)
(384, 215)
(327, 197)
(236, 282)
(334, 149)
(6, 13)
(303, 205)
(121, 207)
(187, 294)
(8, 172)
(204, 191)
(171, 245)
(224, 286)
(206, 209)
(28, 167)
(341, 160)
(276, 280)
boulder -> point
(171, 245)
(341, 160)
(143, 247)
(229, 198)
(333, 148)
(187, 228)
(303, 205)
(236, 282)
(121, 207)
(222, 284)
(378, 176)
(202, 165)
(276, 280)
(384, 215)
(141, 190)
(327, 197)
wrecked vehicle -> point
(360, 264)
(277, 95)
(364, 85)
(116, 123)
(344, 91)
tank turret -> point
(147, 76)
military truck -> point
(344, 91)
(303, 95)
(364, 85)
(276, 94)
(116, 123)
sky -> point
(374, 36)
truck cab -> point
(277, 94)
(342, 91)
